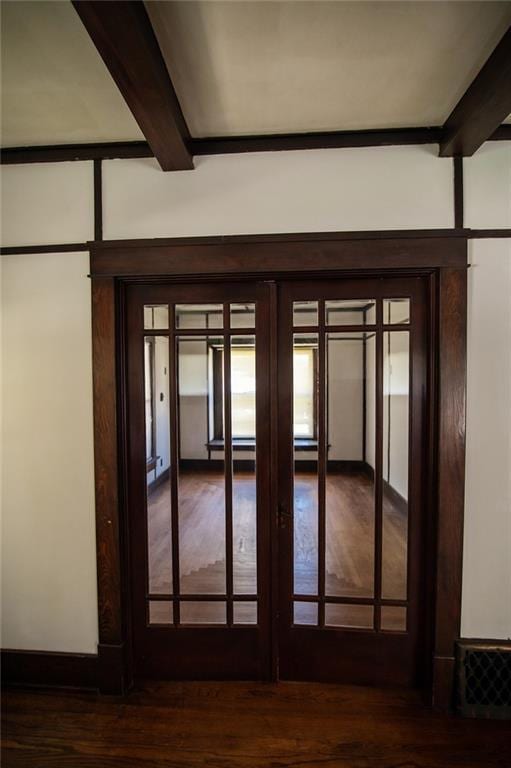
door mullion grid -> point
(174, 461)
(228, 465)
(378, 474)
(322, 441)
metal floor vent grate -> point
(484, 680)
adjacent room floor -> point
(349, 539)
(243, 725)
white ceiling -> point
(55, 87)
(250, 67)
(270, 67)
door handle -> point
(284, 515)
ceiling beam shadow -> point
(483, 107)
(124, 37)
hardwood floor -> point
(349, 539)
(243, 725)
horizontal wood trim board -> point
(125, 150)
(13, 250)
(253, 258)
(47, 668)
(328, 140)
(469, 234)
(285, 237)
(62, 153)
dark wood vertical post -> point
(458, 192)
(98, 200)
(451, 477)
(111, 651)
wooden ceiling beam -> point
(125, 39)
(483, 107)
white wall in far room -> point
(49, 596)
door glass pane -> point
(305, 392)
(159, 539)
(396, 311)
(156, 317)
(350, 505)
(305, 613)
(245, 613)
(242, 315)
(350, 312)
(160, 612)
(201, 485)
(355, 616)
(396, 383)
(202, 612)
(305, 312)
(244, 501)
(199, 316)
(393, 618)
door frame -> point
(440, 257)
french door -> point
(199, 466)
(351, 517)
(276, 479)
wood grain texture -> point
(451, 473)
(243, 725)
(255, 256)
(483, 107)
(126, 42)
(106, 461)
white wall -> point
(300, 191)
(48, 533)
(49, 587)
(47, 203)
(487, 552)
(487, 186)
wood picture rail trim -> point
(216, 145)
(403, 234)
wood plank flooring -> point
(349, 538)
(243, 725)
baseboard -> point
(49, 669)
(395, 498)
(160, 480)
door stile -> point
(321, 399)
(285, 470)
(228, 463)
(378, 469)
(174, 463)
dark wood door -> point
(198, 479)
(276, 486)
(352, 358)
